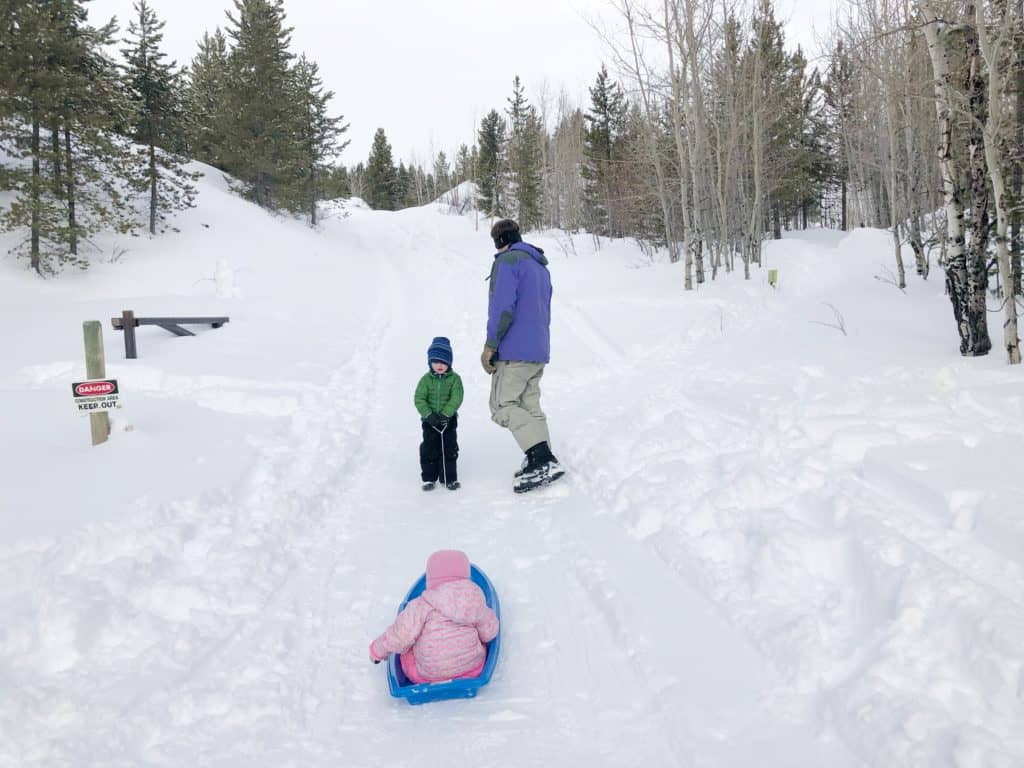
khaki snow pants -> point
(515, 401)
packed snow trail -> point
(760, 554)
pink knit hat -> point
(446, 565)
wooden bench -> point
(128, 322)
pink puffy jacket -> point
(446, 628)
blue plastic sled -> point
(403, 688)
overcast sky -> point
(427, 72)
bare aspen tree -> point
(974, 87)
(883, 104)
(677, 77)
(752, 252)
(1017, 138)
(548, 206)
(688, 44)
(638, 70)
(968, 301)
(567, 158)
(725, 126)
(914, 160)
(889, 51)
(993, 49)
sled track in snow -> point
(230, 558)
(730, 486)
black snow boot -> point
(541, 469)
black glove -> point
(434, 420)
(376, 661)
(442, 420)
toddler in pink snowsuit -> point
(441, 634)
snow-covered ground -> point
(777, 545)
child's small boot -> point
(429, 485)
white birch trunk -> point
(681, 149)
(994, 128)
(894, 212)
(956, 258)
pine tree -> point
(811, 165)
(206, 98)
(95, 160)
(463, 165)
(839, 105)
(357, 181)
(784, 85)
(605, 123)
(154, 86)
(261, 147)
(405, 188)
(442, 181)
(56, 79)
(524, 157)
(319, 134)
(382, 188)
(30, 80)
(490, 166)
(336, 183)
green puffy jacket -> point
(440, 393)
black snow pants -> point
(439, 452)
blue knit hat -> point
(441, 350)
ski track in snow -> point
(694, 509)
(768, 563)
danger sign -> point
(96, 396)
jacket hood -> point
(533, 250)
(454, 600)
(446, 565)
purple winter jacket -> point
(519, 309)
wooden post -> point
(96, 368)
(128, 326)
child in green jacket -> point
(438, 397)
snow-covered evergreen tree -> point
(490, 165)
(382, 188)
(318, 137)
(59, 106)
(605, 124)
(524, 157)
(206, 99)
(154, 86)
(260, 144)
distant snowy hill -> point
(790, 534)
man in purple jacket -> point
(517, 349)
